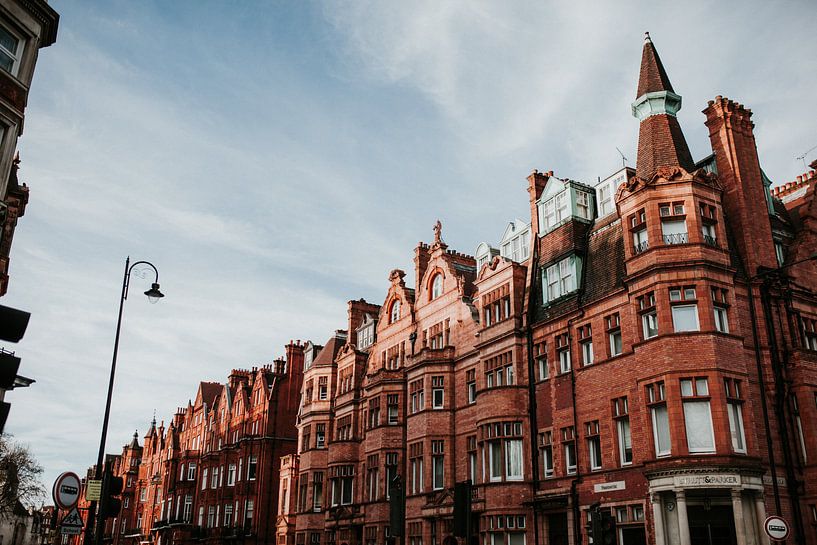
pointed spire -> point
(653, 77)
(661, 142)
(135, 443)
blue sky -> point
(277, 159)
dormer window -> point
(562, 200)
(394, 313)
(583, 205)
(559, 279)
(365, 335)
(437, 286)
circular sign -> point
(776, 528)
(66, 490)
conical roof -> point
(653, 77)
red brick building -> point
(212, 474)
(647, 344)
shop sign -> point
(607, 487)
(718, 479)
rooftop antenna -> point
(624, 159)
(803, 157)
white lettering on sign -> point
(606, 487)
(708, 480)
(776, 528)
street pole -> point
(92, 508)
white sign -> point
(712, 480)
(71, 524)
(776, 528)
(66, 490)
(607, 487)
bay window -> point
(559, 279)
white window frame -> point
(736, 430)
(625, 436)
(680, 328)
(721, 319)
(647, 319)
(659, 452)
(564, 361)
(587, 352)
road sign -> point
(93, 490)
(72, 523)
(66, 490)
(776, 528)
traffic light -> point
(462, 509)
(603, 527)
(13, 324)
(397, 507)
(109, 502)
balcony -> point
(676, 238)
(641, 247)
(710, 241)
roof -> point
(604, 262)
(209, 391)
(653, 77)
(333, 345)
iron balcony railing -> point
(712, 241)
(676, 238)
(641, 246)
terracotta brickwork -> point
(659, 362)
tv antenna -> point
(624, 159)
(803, 157)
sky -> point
(275, 160)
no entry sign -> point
(776, 528)
(66, 490)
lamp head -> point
(153, 293)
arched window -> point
(394, 314)
(437, 286)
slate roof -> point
(653, 77)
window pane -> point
(495, 453)
(8, 41)
(736, 428)
(673, 227)
(685, 317)
(702, 386)
(513, 458)
(699, 426)
(686, 388)
(660, 421)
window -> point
(471, 385)
(249, 507)
(638, 227)
(563, 350)
(188, 507)
(374, 412)
(502, 448)
(320, 436)
(559, 279)
(684, 309)
(191, 471)
(211, 516)
(542, 361)
(734, 406)
(437, 392)
(392, 406)
(416, 467)
(499, 370)
(322, 388)
(10, 51)
(799, 425)
(214, 478)
(365, 335)
(438, 465)
(613, 323)
(203, 479)
(306, 438)
(417, 393)
(569, 446)
(719, 306)
(342, 483)
(372, 477)
(586, 344)
(779, 252)
(809, 327)
(344, 431)
(605, 196)
(472, 458)
(317, 491)
(391, 470)
(230, 475)
(593, 444)
(437, 286)
(660, 418)
(554, 210)
(201, 517)
(302, 491)
(546, 453)
(709, 222)
(394, 314)
(673, 223)
(649, 316)
(228, 515)
(252, 466)
(583, 209)
(697, 415)
(621, 415)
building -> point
(212, 474)
(25, 27)
(651, 354)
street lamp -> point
(153, 295)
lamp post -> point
(153, 295)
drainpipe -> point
(763, 402)
(532, 406)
